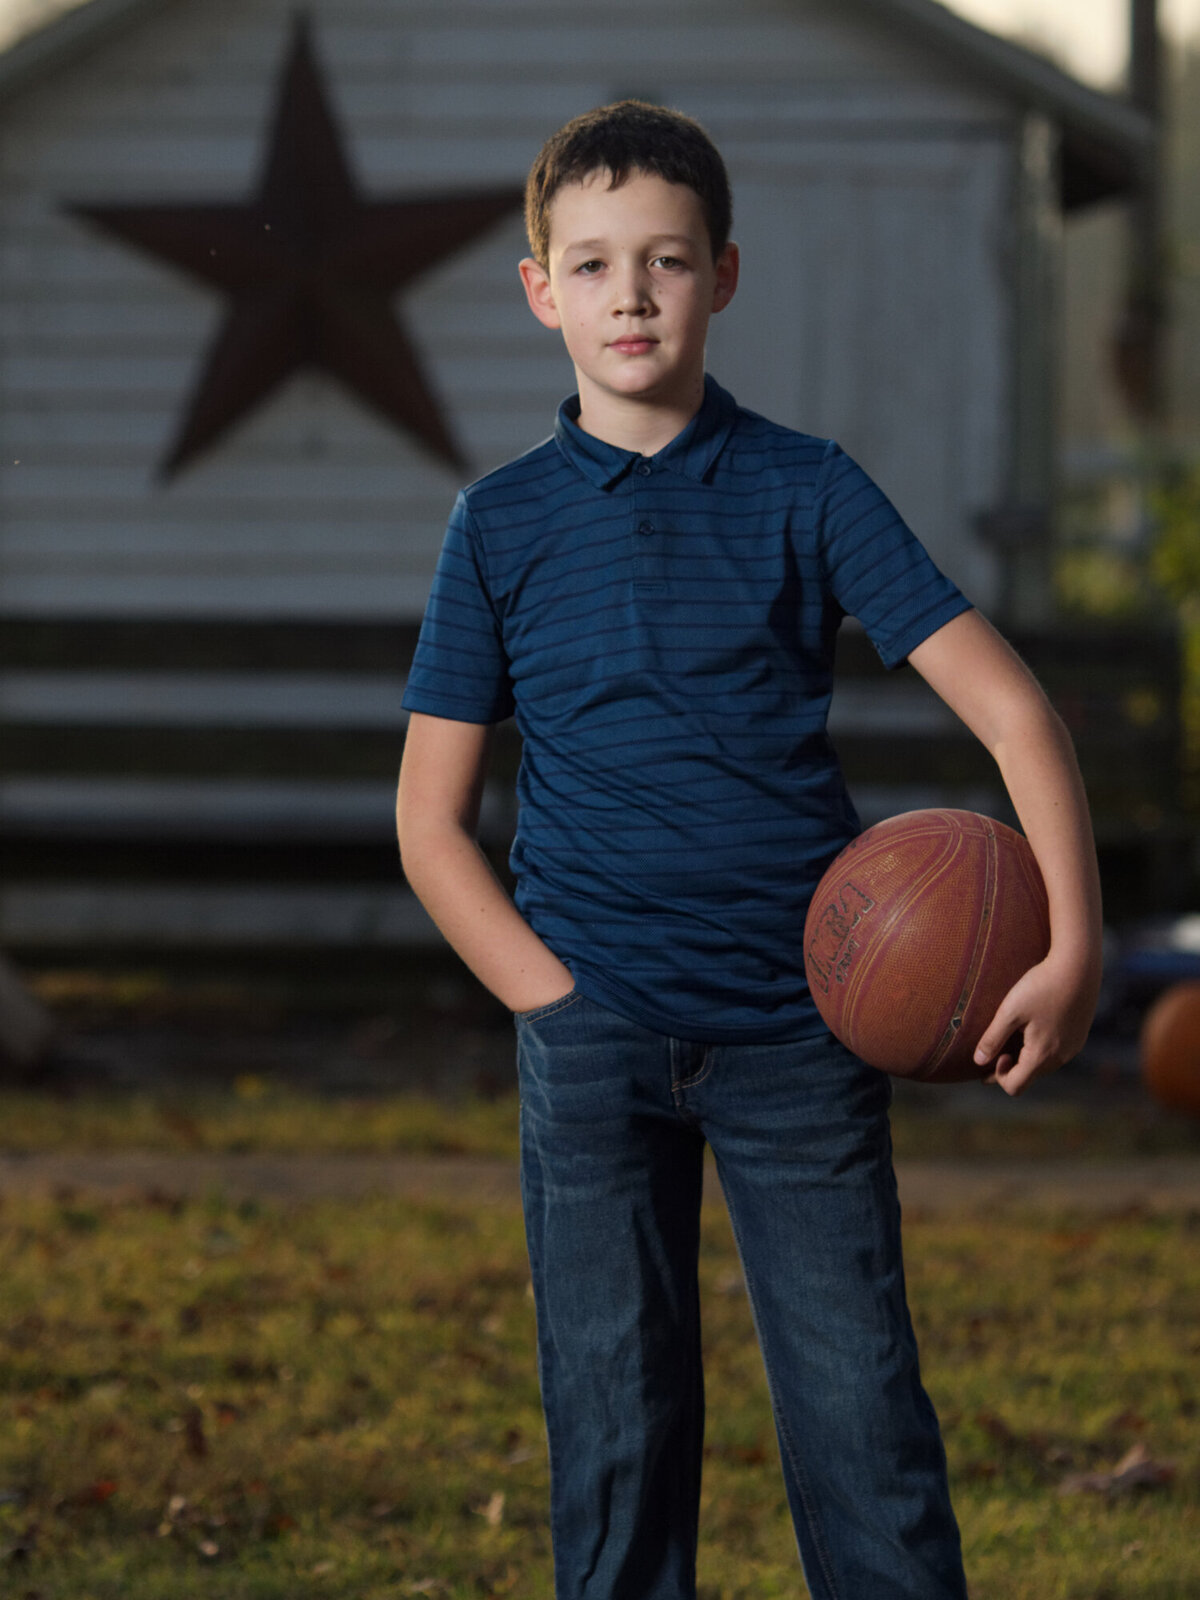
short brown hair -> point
(629, 136)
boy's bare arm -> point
(437, 813)
(983, 680)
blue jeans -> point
(614, 1120)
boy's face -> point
(631, 282)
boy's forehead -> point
(587, 209)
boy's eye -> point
(667, 261)
(589, 267)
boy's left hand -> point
(1049, 1011)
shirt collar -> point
(691, 452)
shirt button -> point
(643, 469)
(645, 527)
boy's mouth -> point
(633, 344)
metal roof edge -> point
(1023, 73)
(66, 35)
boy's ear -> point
(727, 265)
(538, 292)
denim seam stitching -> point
(698, 1077)
(702, 1071)
(551, 1010)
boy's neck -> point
(637, 423)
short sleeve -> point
(877, 569)
(459, 668)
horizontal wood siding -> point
(121, 828)
(312, 505)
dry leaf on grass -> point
(95, 1494)
(493, 1512)
(1136, 1469)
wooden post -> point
(1138, 346)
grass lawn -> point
(219, 1401)
(211, 1400)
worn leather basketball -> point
(917, 932)
(1170, 1048)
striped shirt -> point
(663, 628)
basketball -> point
(916, 933)
(1170, 1048)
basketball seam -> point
(899, 911)
(954, 1026)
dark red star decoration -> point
(311, 268)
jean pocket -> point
(539, 1012)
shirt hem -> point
(898, 652)
(434, 706)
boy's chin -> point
(648, 388)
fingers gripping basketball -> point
(916, 934)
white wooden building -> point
(199, 671)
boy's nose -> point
(632, 294)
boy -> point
(654, 593)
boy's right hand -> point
(437, 812)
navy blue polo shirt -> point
(662, 628)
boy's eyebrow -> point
(601, 244)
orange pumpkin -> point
(1170, 1048)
